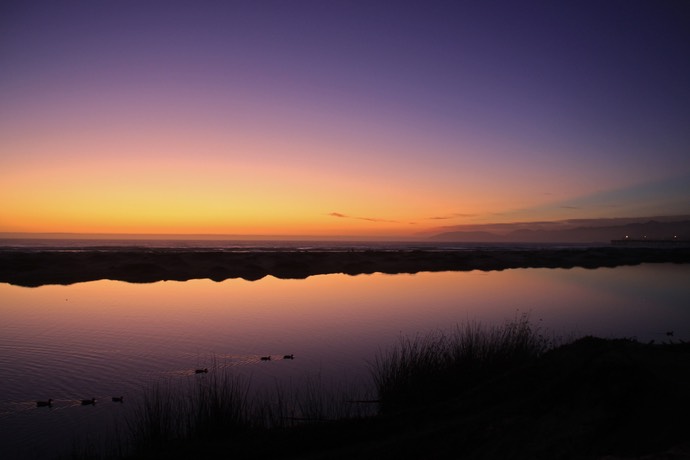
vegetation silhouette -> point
(473, 392)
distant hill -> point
(586, 234)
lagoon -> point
(110, 338)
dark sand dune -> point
(36, 268)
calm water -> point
(105, 338)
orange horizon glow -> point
(151, 196)
(231, 120)
(155, 196)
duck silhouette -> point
(289, 357)
(118, 399)
(201, 371)
(48, 403)
(88, 402)
(265, 358)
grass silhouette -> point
(473, 392)
(432, 367)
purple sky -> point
(394, 112)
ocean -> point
(264, 245)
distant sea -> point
(221, 245)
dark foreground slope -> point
(592, 399)
(35, 268)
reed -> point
(223, 406)
(220, 404)
(173, 415)
(158, 418)
(427, 368)
(171, 412)
(312, 399)
(322, 400)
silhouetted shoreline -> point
(592, 398)
(31, 267)
(473, 392)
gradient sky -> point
(340, 117)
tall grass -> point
(214, 406)
(311, 400)
(434, 366)
(220, 405)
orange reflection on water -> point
(238, 317)
(107, 338)
(351, 314)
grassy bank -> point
(213, 407)
(474, 392)
(219, 413)
(434, 367)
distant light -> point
(626, 237)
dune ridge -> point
(35, 268)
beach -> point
(31, 267)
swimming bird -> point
(118, 399)
(48, 403)
(289, 357)
(669, 334)
(265, 358)
(201, 371)
(88, 402)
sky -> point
(340, 118)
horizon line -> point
(422, 235)
(203, 236)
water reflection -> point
(106, 338)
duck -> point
(88, 402)
(201, 371)
(118, 399)
(289, 357)
(48, 403)
(265, 358)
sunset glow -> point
(332, 119)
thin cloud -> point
(451, 216)
(368, 219)
(455, 215)
(376, 219)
